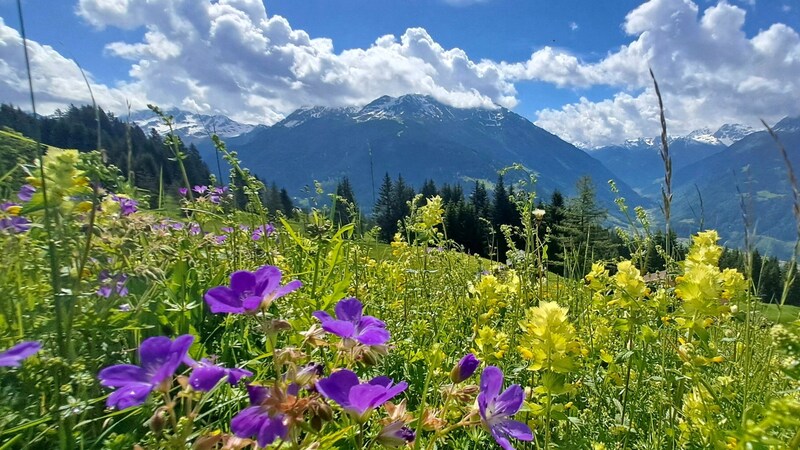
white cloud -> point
(57, 81)
(708, 70)
(229, 56)
(573, 26)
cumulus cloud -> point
(709, 71)
(231, 57)
(57, 80)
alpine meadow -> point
(427, 225)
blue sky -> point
(575, 67)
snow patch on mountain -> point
(730, 133)
(191, 126)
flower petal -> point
(222, 299)
(178, 351)
(365, 397)
(272, 428)
(340, 328)
(369, 321)
(14, 355)
(500, 438)
(257, 394)
(337, 386)
(509, 402)
(249, 421)
(154, 352)
(243, 281)
(515, 429)
(286, 289)
(132, 394)
(373, 336)
(267, 280)
(121, 375)
(349, 309)
(205, 377)
(491, 383)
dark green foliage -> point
(77, 128)
(345, 203)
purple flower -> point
(396, 435)
(159, 357)
(351, 324)
(220, 190)
(110, 285)
(227, 230)
(14, 224)
(14, 356)
(465, 368)
(263, 230)
(258, 420)
(220, 239)
(249, 291)
(25, 193)
(127, 206)
(355, 397)
(194, 229)
(200, 189)
(183, 191)
(206, 375)
(495, 408)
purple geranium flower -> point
(159, 357)
(194, 229)
(25, 193)
(110, 285)
(220, 239)
(259, 420)
(249, 291)
(206, 375)
(263, 230)
(15, 224)
(127, 206)
(183, 191)
(496, 408)
(355, 397)
(13, 357)
(226, 230)
(351, 324)
(465, 368)
(200, 189)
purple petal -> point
(205, 377)
(257, 394)
(243, 281)
(322, 316)
(177, 353)
(222, 299)
(272, 428)
(393, 391)
(339, 328)
(267, 280)
(153, 353)
(337, 386)
(236, 374)
(121, 375)
(287, 288)
(349, 309)
(369, 321)
(248, 422)
(251, 303)
(501, 438)
(509, 402)
(515, 429)
(491, 383)
(381, 381)
(364, 397)
(132, 394)
(14, 356)
(465, 368)
(373, 336)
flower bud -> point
(396, 435)
(465, 368)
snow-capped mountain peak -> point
(190, 126)
(730, 133)
(404, 107)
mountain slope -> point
(751, 172)
(638, 162)
(420, 138)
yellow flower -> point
(549, 340)
(491, 345)
(597, 277)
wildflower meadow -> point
(206, 326)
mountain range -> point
(419, 138)
(714, 173)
